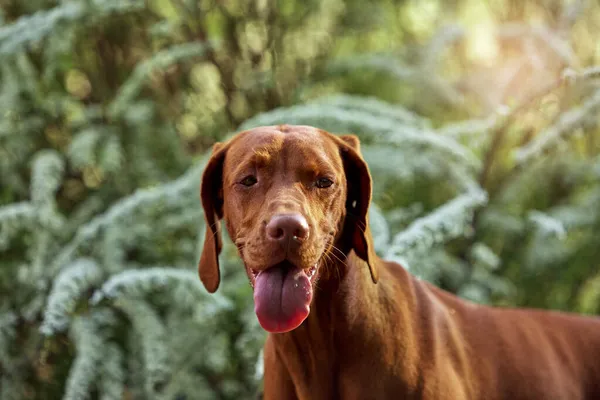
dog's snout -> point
(287, 228)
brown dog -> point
(347, 325)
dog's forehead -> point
(267, 141)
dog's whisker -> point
(342, 254)
(334, 267)
(332, 254)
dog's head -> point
(294, 199)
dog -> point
(344, 323)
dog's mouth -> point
(310, 272)
(282, 296)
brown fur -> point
(374, 331)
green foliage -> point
(479, 125)
(70, 284)
(86, 365)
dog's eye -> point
(323, 183)
(250, 180)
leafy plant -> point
(486, 173)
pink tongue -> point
(282, 298)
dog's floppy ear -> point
(211, 194)
(358, 200)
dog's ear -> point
(211, 194)
(358, 180)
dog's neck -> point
(349, 314)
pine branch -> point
(568, 78)
(8, 332)
(483, 256)
(46, 177)
(544, 35)
(161, 60)
(375, 107)
(583, 214)
(547, 225)
(469, 128)
(85, 368)
(378, 62)
(151, 331)
(371, 128)
(183, 285)
(112, 374)
(379, 228)
(584, 75)
(448, 221)
(69, 286)
(552, 136)
(13, 218)
(169, 194)
(499, 132)
(12, 387)
(32, 29)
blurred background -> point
(479, 121)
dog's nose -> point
(287, 228)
